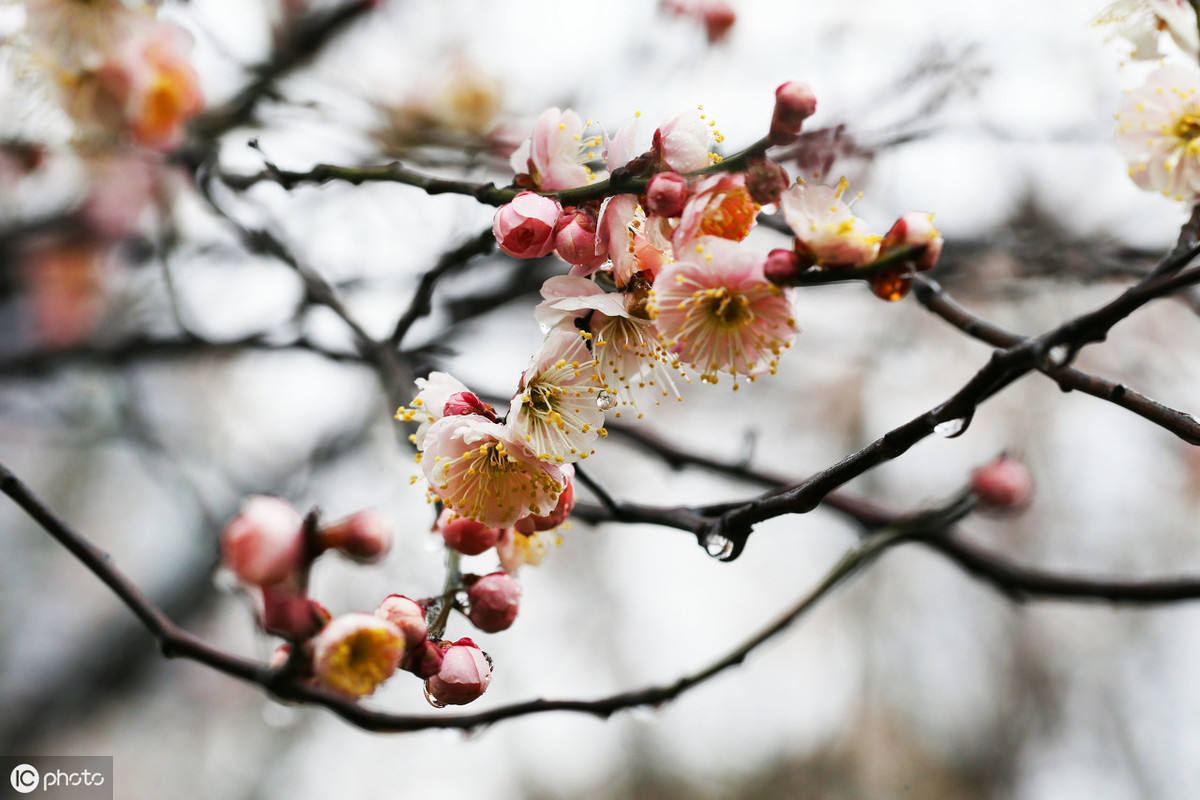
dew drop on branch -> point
(951, 428)
(718, 546)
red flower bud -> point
(794, 103)
(575, 237)
(464, 675)
(466, 535)
(264, 544)
(407, 615)
(666, 194)
(766, 181)
(1004, 485)
(363, 536)
(492, 602)
(782, 267)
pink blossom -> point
(464, 675)
(524, 228)
(624, 233)
(466, 535)
(719, 206)
(566, 502)
(492, 602)
(555, 155)
(484, 472)
(356, 652)
(288, 612)
(264, 543)
(1158, 132)
(915, 229)
(827, 233)
(576, 240)
(630, 359)
(441, 395)
(555, 409)
(717, 311)
(517, 549)
(682, 142)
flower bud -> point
(264, 544)
(566, 502)
(524, 228)
(492, 602)
(407, 615)
(915, 230)
(464, 675)
(287, 612)
(466, 535)
(1004, 485)
(766, 181)
(782, 267)
(794, 103)
(718, 17)
(355, 653)
(424, 660)
(575, 237)
(666, 194)
(364, 536)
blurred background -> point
(150, 379)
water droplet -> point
(718, 546)
(605, 401)
(951, 428)
(1058, 356)
(433, 701)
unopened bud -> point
(575, 237)
(466, 535)
(794, 103)
(287, 612)
(464, 675)
(766, 181)
(782, 267)
(424, 660)
(407, 615)
(364, 536)
(566, 502)
(492, 602)
(666, 194)
(355, 653)
(1003, 485)
(524, 228)
(264, 544)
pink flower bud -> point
(462, 403)
(794, 103)
(524, 228)
(407, 615)
(363, 536)
(718, 18)
(1003, 485)
(915, 229)
(666, 194)
(464, 675)
(264, 544)
(466, 535)
(492, 601)
(355, 653)
(782, 267)
(287, 612)
(766, 181)
(566, 502)
(575, 237)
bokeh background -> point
(916, 681)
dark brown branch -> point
(420, 305)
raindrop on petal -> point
(433, 701)
(605, 401)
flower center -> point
(541, 399)
(731, 217)
(1187, 129)
(726, 308)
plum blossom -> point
(827, 232)
(441, 395)
(264, 543)
(78, 35)
(555, 410)
(465, 535)
(1140, 23)
(464, 675)
(1158, 132)
(356, 652)
(525, 227)
(517, 549)
(630, 241)
(682, 142)
(493, 601)
(719, 206)
(629, 357)
(719, 313)
(555, 155)
(485, 472)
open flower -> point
(682, 142)
(719, 206)
(441, 395)
(355, 653)
(719, 313)
(1141, 22)
(1159, 132)
(827, 232)
(555, 156)
(555, 410)
(630, 359)
(624, 233)
(484, 472)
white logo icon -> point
(24, 778)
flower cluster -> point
(1158, 124)
(271, 549)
